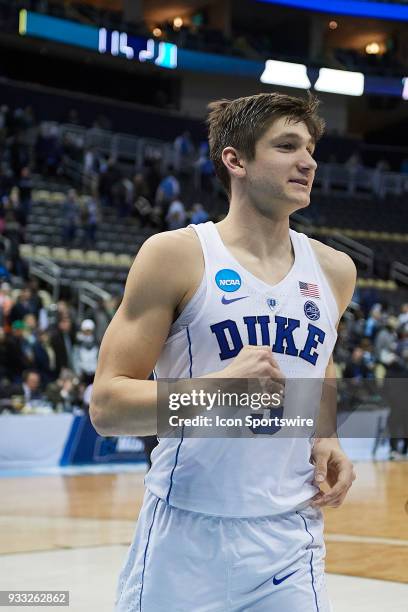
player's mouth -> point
(300, 181)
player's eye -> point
(286, 145)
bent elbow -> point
(99, 415)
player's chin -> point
(301, 201)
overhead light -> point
(333, 25)
(177, 22)
(340, 82)
(157, 32)
(286, 74)
(372, 48)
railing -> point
(399, 272)
(118, 145)
(47, 271)
(331, 177)
(355, 249)
(89, 295)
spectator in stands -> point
(4, 268)
(402, 342)
(89, 219)
(205, 169)
(141, 187)
(385, 342)
(168, 190)
(64, 393)
(124, 197)
(66, 309)
(354, 162)
(184, 153)
(19, 154)
(355, 368)
(152, 176)
(176, 216)
(91, 164)
(70, 215)
(30, 388)
(44, 357)
(6, 303)
(35, 299)
(199, 214)
(109, 177)
(403, 316)
(25, 185)
(368, 356)
(16, 360)
(23, 306)
(3, 358)
(373, 322)
(48, 150)
(396, 392)
(62, 342)
(85, 354)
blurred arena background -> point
(102, 144)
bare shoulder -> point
(168, 262)
(339, 269)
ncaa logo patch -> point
(228, 280)
(311, 311)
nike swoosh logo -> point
(226, 301)
(277, 581)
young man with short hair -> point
(232, 524)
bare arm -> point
(123, 401)
(331, 463)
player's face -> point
(282, 173)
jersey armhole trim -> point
(327, 288)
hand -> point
(258, 366)
(253, 362)
(333, 466)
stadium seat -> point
(26, 251)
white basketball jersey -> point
(232, 308)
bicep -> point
(136, 334)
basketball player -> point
(232, 524)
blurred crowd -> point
(31, 152)
(371, 357)
(46, 354)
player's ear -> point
(234, 162)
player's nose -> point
(307, 163)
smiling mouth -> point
(302, 182)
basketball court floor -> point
(69, 528)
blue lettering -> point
(264, 323)
(284, 332)
(315, 336)
(220, 329)
(250, 322)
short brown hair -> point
(241, 123)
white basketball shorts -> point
(183, 561)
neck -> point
(262, 236)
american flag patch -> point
(309, 289)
